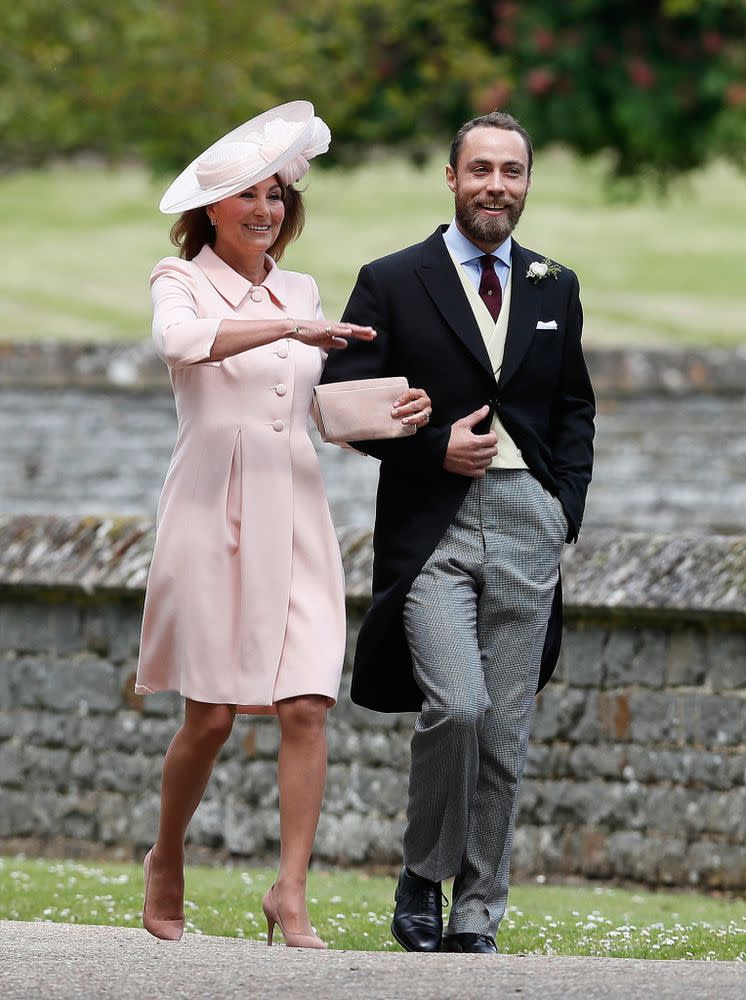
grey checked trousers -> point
(475, 620)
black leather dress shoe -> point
(473, 944)
(418, 917)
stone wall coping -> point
(687, 572)
(135, 367)
(607, 572)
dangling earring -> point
(212, 222)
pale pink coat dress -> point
(245, 596)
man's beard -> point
(485, 229)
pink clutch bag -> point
(359, 410)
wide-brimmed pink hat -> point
(280, 141)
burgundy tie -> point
(490, 290)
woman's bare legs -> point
(301, 777)
(186, 770)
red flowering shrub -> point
(660, 83)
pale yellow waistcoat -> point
(508, 456)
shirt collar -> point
(232, 285)
(463, 250)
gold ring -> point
(328, 331)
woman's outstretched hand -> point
(413, 407)
(328, 336)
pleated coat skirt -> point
(245, 595)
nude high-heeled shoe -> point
(291, 940)
(166, 930)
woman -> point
(244, 610)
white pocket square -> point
(547, 324)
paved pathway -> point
(41, 961)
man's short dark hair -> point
(495, 119)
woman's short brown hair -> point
(193, 229)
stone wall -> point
(637, 768)
(90, 430)
(616, 372)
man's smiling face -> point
(490, 184)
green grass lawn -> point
(80, 241)
(353, 910)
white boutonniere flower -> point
(539, 269)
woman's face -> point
(248, 223)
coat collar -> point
(525, 298)
(438, 274)
(233, 286)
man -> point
(472, 513)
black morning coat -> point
(427, 331)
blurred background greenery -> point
(659, 83)
(647, 99)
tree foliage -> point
(659, 82)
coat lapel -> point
(438, 274)
(524, 311)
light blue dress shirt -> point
(468, 255)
